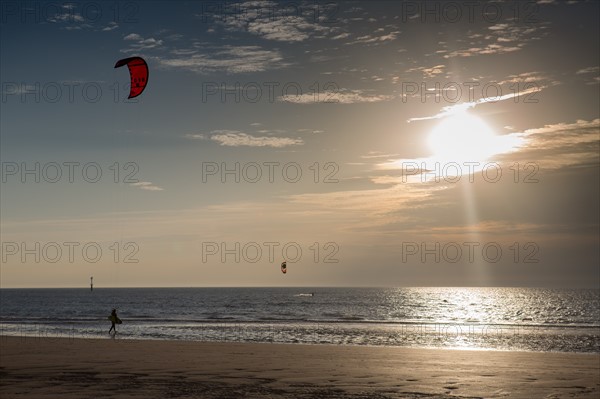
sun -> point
(461, 138)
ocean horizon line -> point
(313, 286)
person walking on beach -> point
(113, 320)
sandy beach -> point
(90, 368)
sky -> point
(365, 143)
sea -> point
(505, 319)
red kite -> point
(138, 71)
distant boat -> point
(306, 294)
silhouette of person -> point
(113, 320)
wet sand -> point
(92, 368)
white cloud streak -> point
(234, 138)
(148, 186)
(232, 59)
(452, 109)
(343, 96)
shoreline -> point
(71, 367)
(479, 337)
(104, 337)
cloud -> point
(274, 21)
(453, 109)
(291, 29)
(196, 136)
(69, 19)
(146, 185)
(589, 70)
(234, 138)
(343, 96)
(111, 25)
(529, 77)
(552, 146)
(369, 203)
(375, 39)
(433, 71)
(132, 36)
(528, 83)
(140, 44)
(369, 209)
(500, 39)
(561, 145)
(593, 69)
(488, 49)
(535, 82)
(66, 17)
(313, 131)
(341, 36)
(595, 81)
(505, 231)
(377, 154)
(429, 72)
(231, 59)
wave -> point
(334, 318)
